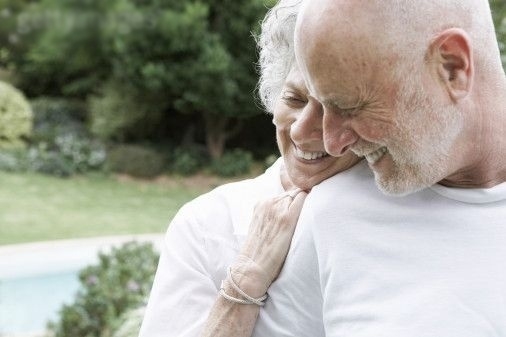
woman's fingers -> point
(296, 205)
(270, 234)
(291, 194)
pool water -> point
(28, 303)
(36, 279)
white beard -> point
(421, 146)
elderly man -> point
(417, 88)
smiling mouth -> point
(307, 155)
(373, 157)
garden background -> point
(115, 113)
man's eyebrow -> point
(330, 102)
(334, 103)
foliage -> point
(63, 53)
(233, 163)
(55, 117)
(15, 117)
(120, 281)
(12, 160)
(139, 63)
(116, 114)
(130, 323)
(499, 14)
(188, 159)
(11, 46)
(41, 159)
(61, 145)
(69, 154)
(135, 160)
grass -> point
(35, 207)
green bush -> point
(61, 143)
(135, 160)
(188, 160)
(119, 282)
(15, 117)
(233, 163)
(43, 160)
(13, 160)
(84, 154)
(130, 322)
(69, 154)
(55, 117)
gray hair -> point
(275, 44)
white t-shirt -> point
(202, 240)
(431, 264)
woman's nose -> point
(308, 124)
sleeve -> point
(183, 292)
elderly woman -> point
(222, 252)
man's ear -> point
(452, 55)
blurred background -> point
(114, 113)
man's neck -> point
(480, 154)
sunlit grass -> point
(35, 207)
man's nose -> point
(338, 136)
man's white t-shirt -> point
(431, 264)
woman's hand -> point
(270, 233)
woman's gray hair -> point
(275, 44)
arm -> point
(257, 266)
(183, 291)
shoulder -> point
(229, 204)
(351, 181)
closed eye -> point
(293, 99)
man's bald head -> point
(403, 27)
(367, 61)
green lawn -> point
(35, 207)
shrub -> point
(12, 160)
(188, 159)
(233, 163)
(61, 144)
(43, 160)
(69, 154)
(130, 322)
(135, 160)
(55, 117)
(84, 154)
(119, 282)
(15, 117)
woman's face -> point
(298, 120)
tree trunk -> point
(216, 134)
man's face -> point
(377, 107)
(298, 120)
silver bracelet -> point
(248, 299)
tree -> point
(499, 14)
(164, 57)
(192, 58)
(64, 55)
